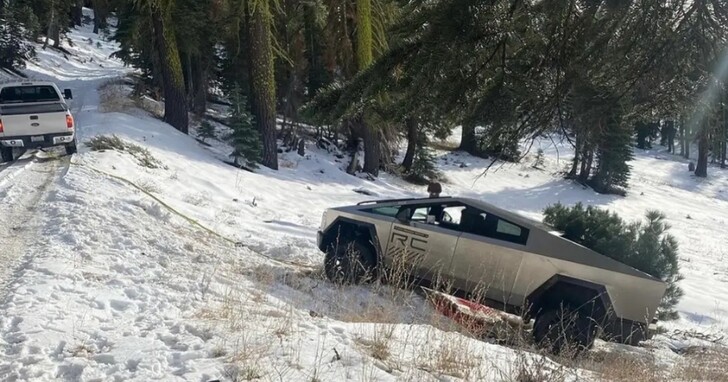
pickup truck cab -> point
(35, 115)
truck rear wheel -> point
(349, 262)
(71, 148)
(7, 154)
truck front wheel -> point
(7, 154)
(349, 262)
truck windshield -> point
(28, 94)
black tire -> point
(350, 261)
(563, 329)
(7, 154)
(71, 148)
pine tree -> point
(644, 246)
(423, 168)
(206, 131)
(613, 154)
(14, 50)
(175, 103)
(262, 75)
(245, 137)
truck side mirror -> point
(67, 94)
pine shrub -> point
(646, 246)
(613, 154)
(540, 159)
(206, 131)
(423, 168)
(245, 137)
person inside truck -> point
(435, 213)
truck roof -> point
(25, 83)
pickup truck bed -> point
(34, 115)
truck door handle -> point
(33, 117)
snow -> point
(132, 273)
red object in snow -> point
(477, 319)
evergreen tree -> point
(245, 137)
(613, 154)
(423, 168)
(175, 103)
(262, 75)
(206, 131)
(14, 50)
(644, 246)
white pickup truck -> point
(35, 115)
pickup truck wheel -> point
(349, 262)
(563, 329)
(7, 154)
(71, 148)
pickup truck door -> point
(487, 260)
(424, 249)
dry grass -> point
(142, 155)
(116, 97)
(119, 96)
(151, 106)
(623, 367)
(432, 347)
(148, 185)
(703, 364)
(452, 355)
(378, 341)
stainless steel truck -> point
(475, 250)
(35, 115)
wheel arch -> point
(578, 293)
(347, 227)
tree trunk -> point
(670, 138)
(409, 156)
(363, 34)
(467, 142)
(577, 152)
(201, 81)
(586, 165)
(51, 25)
(189, 84)
(263, 80)
(701, 169)
(77, 13)
(372, 150)
(100, 14)
(97, 20)
(175, 104)
(685, 139)
(56, 34)
(724, 132)
(316, 71)
(364, 40)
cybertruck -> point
(475, 250)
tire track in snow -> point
(18, 212)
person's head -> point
(434, 189)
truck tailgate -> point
(33, 121)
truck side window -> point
(384, 211)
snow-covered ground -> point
(117, 271)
